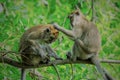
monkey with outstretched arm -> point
(87, 40)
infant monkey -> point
(87, 40)
(34, 46)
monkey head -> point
(50, 34)
(76, 17)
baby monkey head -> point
(50, 34)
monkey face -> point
(50, 34)
(74, 13)
(74, 17)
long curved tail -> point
(107, 75)
(104, 74)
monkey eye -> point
(77, 13)
(47, 30)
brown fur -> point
(34, 45)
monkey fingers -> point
(56, 26)
(52, 53)
(68, 33)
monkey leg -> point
(36, 47)
(71, 56)
(23, 74)
(68, 55)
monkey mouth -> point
(71, 20)
(50, 40)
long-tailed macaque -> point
(87, 40)
(34, 46)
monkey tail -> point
(107, 75)
(56, 71)
(96, 62)
(23, 74)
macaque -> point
(34, 46)
(87, 40)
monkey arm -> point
(36, 47)
(82, 45)
(69, 33)
(34, 44)
(52, 53)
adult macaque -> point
(87, 40)
(34, 46)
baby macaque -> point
(34, 46)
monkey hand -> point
(56, 26)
